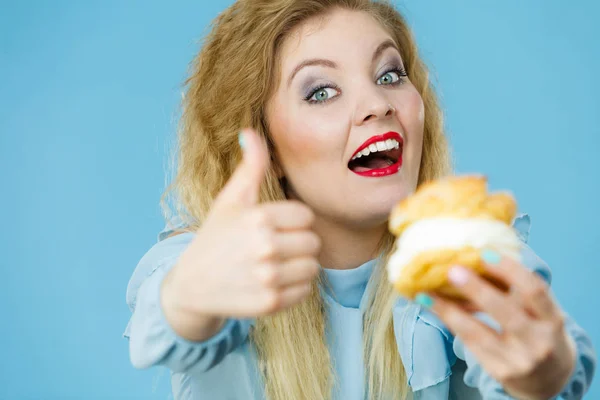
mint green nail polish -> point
(424, 300)
(490, 257)
(241, 140)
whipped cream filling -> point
(452, 233)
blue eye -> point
(392, 76)
(388, 78)
(322, 94)
(326, 92)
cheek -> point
(412, 118)
(412, 114)
(303, 135)
(416, 106)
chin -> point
(375, 210)
(389, 197)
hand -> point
(533, 357)
(247, 260)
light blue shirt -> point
(437, 364)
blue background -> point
(88, 106)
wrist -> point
(556, 376)
(570, 366)
(565, 371)
(170, 305)
(187, 323)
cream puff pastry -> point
(445, 223)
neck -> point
(344, 247)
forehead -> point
(340, 36)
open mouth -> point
(379, 156)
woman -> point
(271, 284)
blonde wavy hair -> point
(230, 83)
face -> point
(343, 91)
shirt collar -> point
(347, 286)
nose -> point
(372, 108)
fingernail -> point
(490, 257)
(424, 300)
(458, 275)
(241, 139)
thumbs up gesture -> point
(247, 259)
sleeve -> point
(585, 365)
(152, 341)
(580, 381)
(425, 347)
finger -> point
(504, 310)
(530, 288)
(465, 304)
(297, 244)
(482, 340)
(298, 271)
(287, 215)
(242, 189)
(281, 299)
(292, 295)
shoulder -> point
(173, 226)
(171, 243)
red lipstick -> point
(394, 154)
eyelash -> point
(397, 69)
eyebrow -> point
(328, 63)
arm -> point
(194, 329)
(152, 339)
(581, 378)
(585, 365)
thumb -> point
(243, 187)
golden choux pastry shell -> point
(457, 197)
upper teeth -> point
(378, 146)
